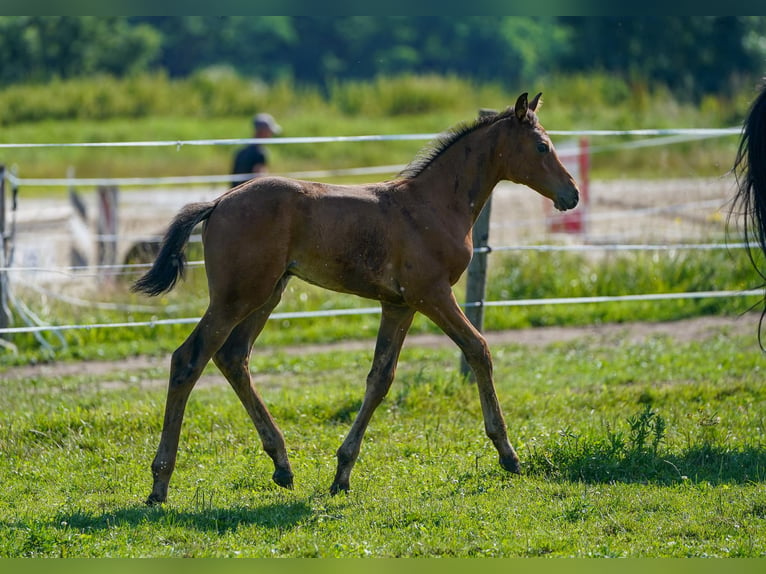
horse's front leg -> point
(446, 313)
(394, 323)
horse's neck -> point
(464, 175)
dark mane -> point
(750, 173)
(430, 152)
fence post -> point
(81, 236)
(106, 247)
(476, 280)
(4, 318)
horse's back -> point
(341, 237)
(285, 187)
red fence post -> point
(574, 221)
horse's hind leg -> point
(186, 365)
(232, 359)
(394, 323)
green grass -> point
(645, 450)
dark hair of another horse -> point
(750, 173)
(171, 260)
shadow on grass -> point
(277, 516)
(597, 463)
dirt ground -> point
(699, 329)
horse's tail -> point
(750, 173)
(171, 260)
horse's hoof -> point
(283, 478)
(338, 487)
(154, 500)
(511, 464)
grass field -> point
(643, 449)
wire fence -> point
(15, 273)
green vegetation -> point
(534, 275)
(221, 105)
(629, 449)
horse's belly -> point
(349, 276)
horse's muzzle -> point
(567, 200)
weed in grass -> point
(647, 425)
(632, 453)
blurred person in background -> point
(252, 160)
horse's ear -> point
(521, 107)
(536, 102)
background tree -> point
(690, 55)
(40, 48)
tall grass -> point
(206, 94)
(218, 92)
(539, 275)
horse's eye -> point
(542, 147)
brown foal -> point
(403, 242)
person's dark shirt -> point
(246, 160)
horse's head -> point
(532, 160)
